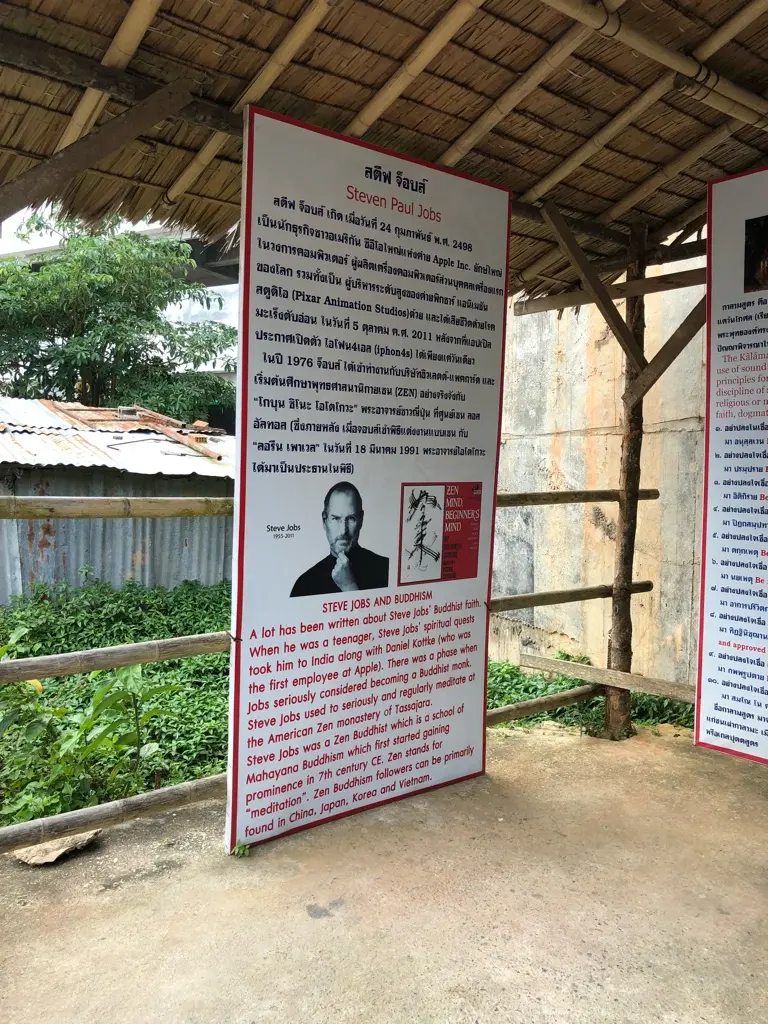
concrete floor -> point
(580, 881)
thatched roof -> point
(356, 48)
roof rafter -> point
(134, 25)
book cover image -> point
(439, 531)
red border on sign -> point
(251, 114)
(705, 502)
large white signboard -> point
(732, 705)
(370, 372)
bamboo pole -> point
(512, 603)
(607, 677)
(618, 718)
(112, 508)
(439, 37)
(78, 662)
(556, 54)
(138, 18)
(528, 498)
(613, 27)
(70, 823)
(274, 66)
(538, 705)
(664, 84)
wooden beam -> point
(590, 228)
(528, 498)
(593, 284)
(657, 255)
(112, 657)
(132, 29)
(49, 178)
(112, 508)
(40, 58)
(537, 706)
(608, 677)
(70, 823)
(667, 354)
(512, 603)
(646, 286)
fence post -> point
(618, 717)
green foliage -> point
(87, 739)
(80, 740)
(185, 396)
(88, 321)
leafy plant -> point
(88, 322)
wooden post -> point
(618, 718)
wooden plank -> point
(512, 603)
(112, 508)
(609, 677)
(113, 657)
(49, 178)
(667, 354)
(528, 498)
(70, 823)
(646, 286)
(40, 58)
(538, 705)
(592, 282)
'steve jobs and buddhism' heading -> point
(371, 354)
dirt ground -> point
(579, 881)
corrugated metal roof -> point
(28, 412)
(145, 453)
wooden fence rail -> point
(15, 671)
(98, 658)
(609, 677)
(507, 604)
(46, 507)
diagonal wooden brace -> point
(667, 354)
(593, 284)
(50, 177)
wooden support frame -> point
(647, 286)
(593, 284)
(667, 354)
(50, 177)
(529, 498)
(60, 65)
(545, 597)
(607, 677)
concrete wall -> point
(562, 430)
